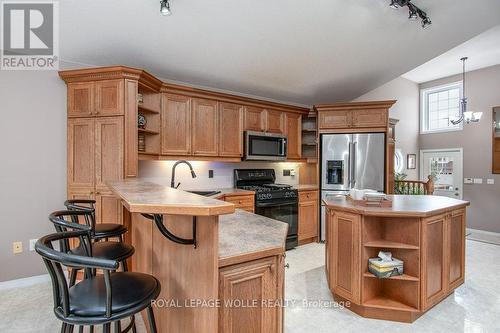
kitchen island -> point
(426, 232)
(212, 261)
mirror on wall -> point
(496, 140)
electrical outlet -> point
(490, 181)
(210, 173)
(478, 180)
(292, 172)
(32, 244)
(17, 247)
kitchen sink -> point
(205, 193)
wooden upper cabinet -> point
(109, 151)
(80, 99)
(205, 134)
(230, 130)
(275, 122)
(370, 118)
(255, 281)
(334, 119)
(81, 147)
(109, 98)
(294, 135)
(176, 125)
(255, 119)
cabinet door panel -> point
(456, 249)
(109, 150)
(80, 99)
(344, 273)
(249, 282)
(81, 147)
(255, 119)
(109, 98)
(204, 127)
(230, 130)
(275, 122)
(334, 119)
(294, 135)
(308, 220)
(176, 125)
(369, 118)
(108, 208)
(433, 261)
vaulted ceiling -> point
(303, 52)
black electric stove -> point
(276, 201)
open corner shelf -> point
(147, 131)
(387, 303)
(390, 245)
(403, 277)
(145, 109)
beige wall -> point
(33, 164)
(483, 92)
(406, 93)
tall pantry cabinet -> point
(102, 133)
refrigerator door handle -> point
(354, 157)
(349, 166)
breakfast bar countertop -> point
(261, 237)
(140, 196)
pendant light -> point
(465, 115)
(165, 8)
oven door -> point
(287, 212)
(265, 146)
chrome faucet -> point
(172, 181)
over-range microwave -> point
(261, 146)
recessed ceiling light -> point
(165, 8)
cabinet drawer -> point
(308, 196)
(241, 200)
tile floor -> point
(475, 306)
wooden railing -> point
(414, 187)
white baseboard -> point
(483, 236)
(24, 282)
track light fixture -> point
(165, 8)
(414, 11)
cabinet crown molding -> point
(353, 106)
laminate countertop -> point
(244, 235)
(306, 187)
(140, 196)
(402, 205)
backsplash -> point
(160, 172)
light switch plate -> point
(32, 244)
(490, 181)
(292, 172)
(468, 180)
(478, 180)
(17, 247)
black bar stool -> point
(99, 299)
(101, 230)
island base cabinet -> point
(251, 296)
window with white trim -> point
(439, 106)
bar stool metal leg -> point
(151, 317)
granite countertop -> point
(306, 187)
(402, 205)
(243, 233)
(140, 196)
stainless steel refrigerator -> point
(351, 161)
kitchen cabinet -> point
(362, 116)
(99, 98)
(308, 216)
(294, 134)
(275, 122)
(230, 130)
(455, 250)
(205, 127)
(252, 283)
(255, 119)
(245, 202)
(369, 118)
(95, 156)
(108, 208)
(344, 266)
(176, 125)
(332, 120)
